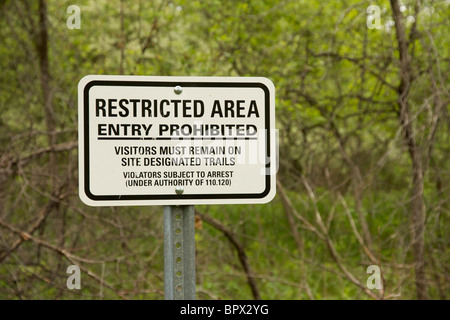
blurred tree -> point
(364, 128)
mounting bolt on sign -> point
(179, 190)
(178, 90)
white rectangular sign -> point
(176, 140)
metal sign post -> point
(179, 253)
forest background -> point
(364, 126)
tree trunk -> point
(417, 201)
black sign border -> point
(175, 197)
